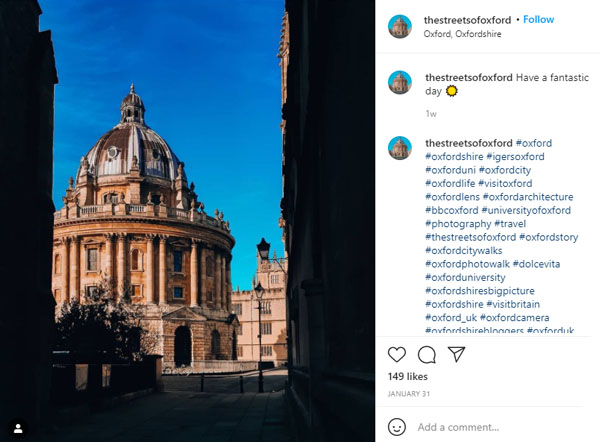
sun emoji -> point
(451, 90)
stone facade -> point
(328, 211)
(400, 84)
(130, 219)
(399, 28)
(399, 149)
(27, 79)
(272, 277)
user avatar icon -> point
(397, 427)
(399, 82)
(399, 26)
(17, 429)
(399, 148)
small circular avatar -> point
(451, 90)
(399, 148)
(17, 429)
(397, 427)
(399, 82)
(399, 26)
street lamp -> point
(259, 293)
(263, 251)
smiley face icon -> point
(397, 427)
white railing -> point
(87, 210)
(137, 208)
(181, 213)
(178, 213)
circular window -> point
(155, 154)
(113, 152)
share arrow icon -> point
(457, 352)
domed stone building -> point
(130, 218)
(400, 28)
(399, 150)
(400, 84)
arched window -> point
(215, 344)
(136, 260)
(155, 199)
(57, 264)
(111, 198)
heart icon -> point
(397, 353)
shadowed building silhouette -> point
(328, 211)
(27, 79)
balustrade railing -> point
(87, 210)
(181, 213)
(135, 209)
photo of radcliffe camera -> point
(400, 26)
(169, 271)
(399, 148)
(399, 82)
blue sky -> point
(209, 76)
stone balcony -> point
(75, 212)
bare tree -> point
(98, 329)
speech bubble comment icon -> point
(396, 353)
(427, 355)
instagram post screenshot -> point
(299, 220)
(189, 220)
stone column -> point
(109, 257)
(74, 269)
(149, 269)
(64, 291)
(162, 270)
(218, 284)
(121, 276)
(229, 287)
(203, 275)
(194, 274)
(224, 281)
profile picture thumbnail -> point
(399, 26)
(399, 148)
(399, 82)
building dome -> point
(130, 142)
(133, 229)
(132, 99)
